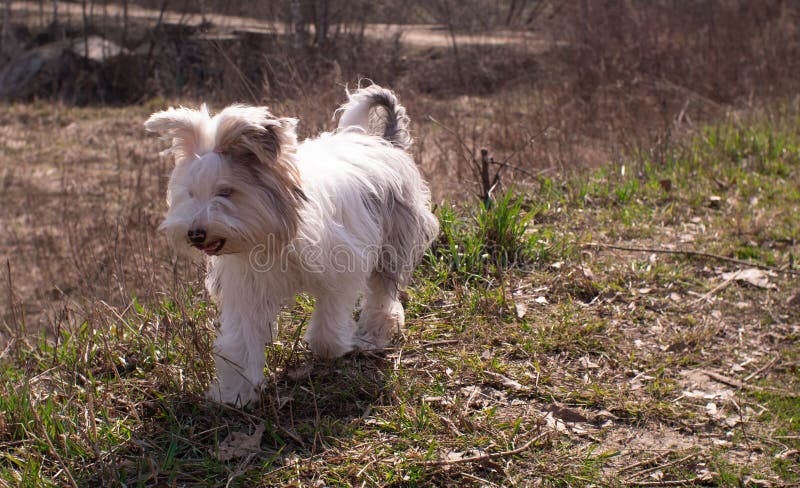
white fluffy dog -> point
(340, 216)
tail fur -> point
(377, 111)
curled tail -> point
(377, 111)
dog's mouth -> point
(212, 248)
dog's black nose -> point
(197, 236)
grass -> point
(517, 331)
(483, 244)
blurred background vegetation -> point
(545, 84)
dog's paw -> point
(326, 350)
(237, 397)
(330, 349)
(329, 342)
(368, 343)
(375, 330)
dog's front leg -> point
(239, 354)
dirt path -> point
(419, 35)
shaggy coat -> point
(341, 216)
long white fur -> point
(360, 220)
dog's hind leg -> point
(381, 314)
(330, 332)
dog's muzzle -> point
(197, 237)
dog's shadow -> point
(306, 407)
(309, 398)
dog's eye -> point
(225, 192)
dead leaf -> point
(239, 444)
(437, 399)
(714, 201)
(753, 276)
(604, 415)
(291, 460)
(750, 481)
(566, 414)
(482, 396)
(680, 346)
(556, 424)
(521, 309)
(507, 382)
(732, 421)
(541, 300)
(455, 456)
(788, 454)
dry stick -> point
(489, 161)
(484, 457)
(693, 253)
(715, 289)
(661, 466)
(686, 482)
(478, 479)
(739, 384)
(524, 171)
(761, 369)
(414, 348)
(645, 461)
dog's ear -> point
(252, 134)
(186, 128)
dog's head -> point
(235, 184)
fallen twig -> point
(645, 461)
(686, 482)
(745, 386)
(714, 290)
(660, 466)
(504, 164)
(479, 479)
(687, 252)
(484, 457)
(761, 369)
